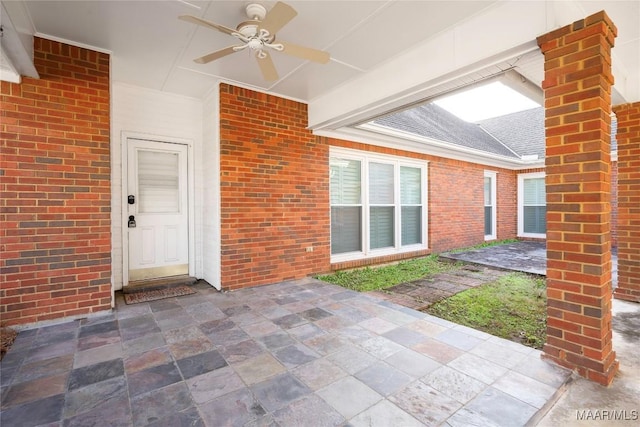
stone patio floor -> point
(298, 353)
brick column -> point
(628, 201)
(577, 88)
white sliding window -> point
(378, 204)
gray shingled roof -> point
(513, 135)
(431, 121)
(523, 131)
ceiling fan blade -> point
(278, 17)
(305, 52)
(267, 68)
(198, 21)
(215, 55)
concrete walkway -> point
(528, 257)
(300, 353)
(587, 404)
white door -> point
(157, 209)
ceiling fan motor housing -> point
(255, 11)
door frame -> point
(124, 151)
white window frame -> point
(521, 178)
(365, 158)
(494, 212)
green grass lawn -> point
(376, 278)
(513, 307)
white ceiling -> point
(151, 48)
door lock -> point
(132, 220)
(131, 199)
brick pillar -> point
(577, 88)
(628, 202)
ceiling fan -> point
(259, 35)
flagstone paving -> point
(298, 353)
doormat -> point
(156, 294)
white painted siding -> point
(210, 189)
(145, 111)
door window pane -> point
(158, 183)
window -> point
(532, 206)
(490, 213)
(377, 204)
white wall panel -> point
(210, 189)
(145, 111)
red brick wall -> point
(55, 183)
(274, 190)
(456, 199)
(577, 89)
(614, 204)
(629, 201)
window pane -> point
(488, 221)
(380, 184)
(487, 191)
(346, 224)
(534, 192)
(345, 182)
(381, 221)
(410, 186)
(411, 225)
(158, 183)
(535, 220)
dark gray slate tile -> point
(136, 327)
(95, 373)
(235, 409)
(153, 378)
(241, 351)
(289, 321)
(498, 406)
(314, 314)
(98, 340)
(295, 355)
(279, 391)
(383, 378)
(158, 404)
(114, 413)
(98, 328)
(163, 305)
(425, 403)
(285, 300)
(340, 296)
(276, 340)
(236, 310)
(405, 336)
(187, 418)
(95, 397)
(218, 325)
(310, 410)
(43, 368)
(36, 413)
(201, 363)
(53, 349)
